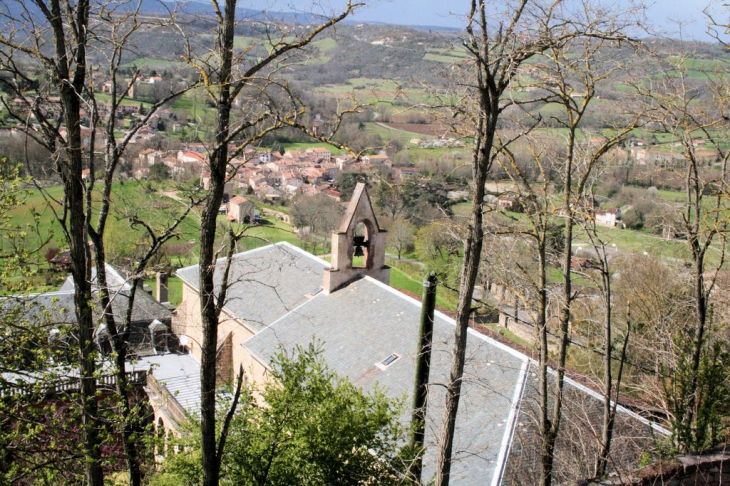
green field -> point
(387, 133)
(129, 199)
(441, 58)
(306, 145)
(174, 289)
(326, 44)
(147, 63)
(401, 280)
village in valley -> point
(191, 265)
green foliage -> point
(41, 427)
(316, 428)
(633, 218)
(159, 172)
(699, 402)
(20, 239)
(438, 248)
(388, 198)
(555, 238)
(346, 182)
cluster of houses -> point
(268, 175)
(610, 217)
(643, 155)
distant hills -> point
(204, 7)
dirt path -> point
(281, 216)
(172, 195)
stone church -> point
(280, 296)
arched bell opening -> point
(361, 240)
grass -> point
(326, 44)
(419, 154)
(453, 52)
(508, 334)
(105, 98)
(392, 134)
(462, 209)
(306, 145)
(174, 289)
(402, 281)
(148, 63)
(441, 58)
(129, 199)
(711, 65)
(671, 196)
(639, 242)
(270, 231)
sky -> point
(449, 13)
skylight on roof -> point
(387, 361)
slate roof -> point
(56, 309)
(364, 322)
(577, 440)
(179, 373)
(265, 283)
(60, 307)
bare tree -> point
(571, 76)
(400, 235)
(611, 385)
(227, 73)
(81, 32)
(698, 127)
(317, 215)
(67, 25)
(500, 39)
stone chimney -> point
(162, 287)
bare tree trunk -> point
(548, 433)
(228, 84)
(489, 111)
(70, 74)
(211, 459)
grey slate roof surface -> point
(146, 308)
(266, 283)
(366, 321)
(577, 445)
(60, 307)
(114, 280)
(179, 373)
(56, 310)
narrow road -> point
(404, 259)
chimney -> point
(162, 287)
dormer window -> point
(158, 332)
(103, 339)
